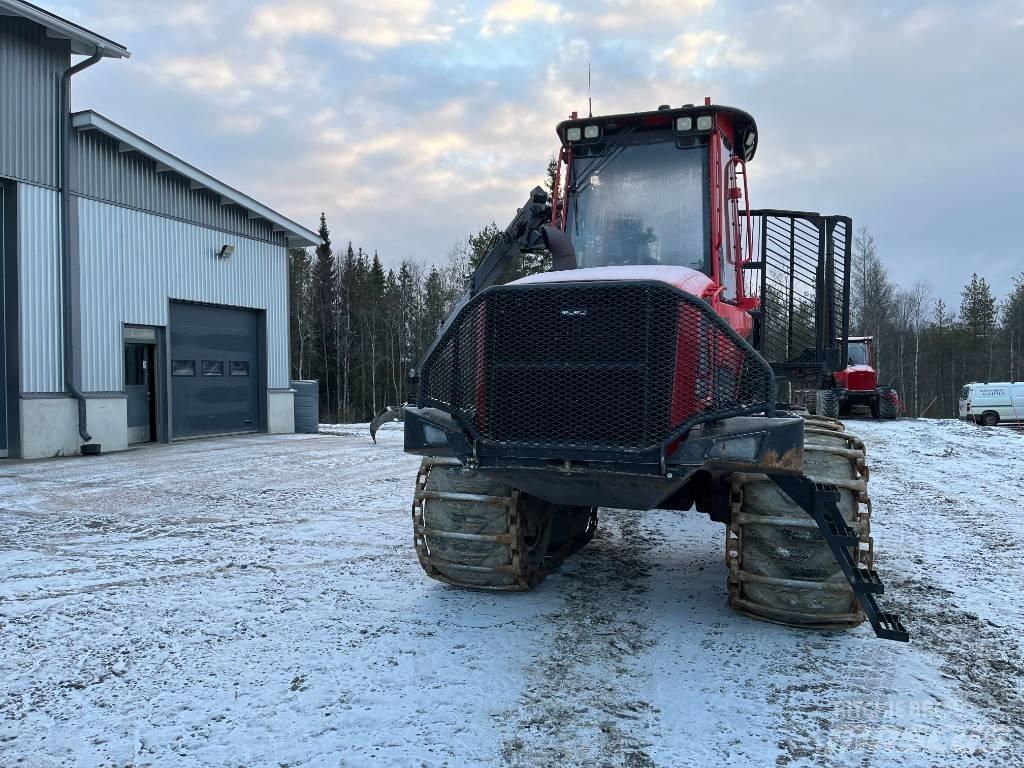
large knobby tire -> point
(473, 531)
(887, 407)
(781, 568)
(827, 402)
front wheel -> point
(827, 402)
(471, 531)
(781, 569)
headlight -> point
(684, 123)
(591, 132)
(704, 123)
(573, 134)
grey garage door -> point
(215, 370)
(5, 314)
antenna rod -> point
(590, 100)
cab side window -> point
(730, 224)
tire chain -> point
(513, 536)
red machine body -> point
(857, 384)
(860, 374)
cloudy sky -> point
(412, 122)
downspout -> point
(72, 362)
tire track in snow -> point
(580, 704)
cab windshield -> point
(858, 353)
(641, 204)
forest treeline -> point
(358, 328)
(928, 349)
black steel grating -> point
(597, 365)
(805, 288)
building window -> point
(134, 365)
(239, 368)
(183, 367)
(213, 367)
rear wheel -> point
(887, 405)
(989, 419)
(781, 569)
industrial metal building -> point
(140, 299)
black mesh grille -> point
(596, 365)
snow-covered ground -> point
(256, 601)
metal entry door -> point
(139, 385)
(215, 370)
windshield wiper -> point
(613, 149)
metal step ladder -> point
(819, 500)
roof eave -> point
(83, 41)
(296, 236)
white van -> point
(993, 403)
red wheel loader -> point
(643, 371)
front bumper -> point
(634, 480)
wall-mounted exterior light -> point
(225, 251)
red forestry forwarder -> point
(857, 385)
(641, 372)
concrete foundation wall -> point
(108, 422)
(281, 412)
(49, 427)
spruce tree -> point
(1013, 328)
(326, 300)
(300, 317)
(978, 315)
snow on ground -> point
(257, 601)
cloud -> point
(235, 76)
(240, 123)
(411, 129)
(190, 15)
(212, 73)
(364, 22)
(507, 16)
(709, 49)
(922, 20)
(622, 15)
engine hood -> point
(689, 280)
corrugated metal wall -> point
(133, 262)
(31, 65)
(128, 178)
(39, 286)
